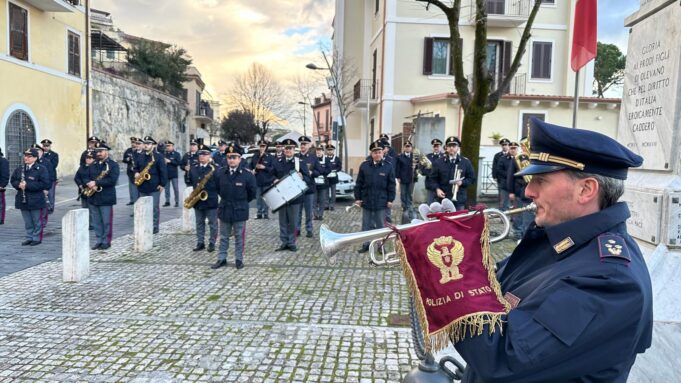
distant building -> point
(43, 72)
(201, 115)
(321, 119)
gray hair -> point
(609, 189)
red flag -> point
(584, 33)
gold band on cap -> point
(546, 157)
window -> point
(377, 6)
(437, 57)
(18, 32)
(525, 128)
(495, 7)
(541, 60)
(19, 135)
(548, 1)
(110, 54)
(373, 74)
(74, 54)
(198, 103)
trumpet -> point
(353, 206)
(332, 242)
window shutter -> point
(18, 32)
(428, 56)
(76, 55)
(536, 60)
(507, 57)
(547, 59)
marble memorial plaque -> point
(674, 227)
(646, 215)
(649, 118)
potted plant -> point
(496, 137)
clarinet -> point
(23, 179)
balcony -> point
(517, 85)
(364, 92)
(204, 113)
(505, 13)
(54, 5)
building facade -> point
(43, 72)
(200, 113)
(321, 119)
(400, 54)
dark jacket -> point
(37, 181)
(158, 171)
(263, 177)
(309, 162)
(499, 173)
(51, 171)
(325, 169)
(81, 178)
(516, 184)
(375, 185)
(190, 159)
(53, 157)
(175, 160)
(583, 314)
(503, 167)
(4, 172)
(236, 191)
(128, 160)
(197, 174)
(404, 168)
(443, 171)
(220, 159)
(106, 197)
(284, 167)
(336, 166)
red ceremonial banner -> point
(584, 34)
(450, 273)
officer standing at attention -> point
(308, 161)
(279, 151)
(580, 292)
(442, 176)
(158, 172)
(404, 173)
(262, 165)
(30, 181)
(53, 157)
(81, 179)
(236, 186)
(130, 163)
(436, 143)
(389, 153)
(288, 214)
(374, 190)
(172, 161)
(206, 172)
(103, 175)
(219, 157)
(52, 175)
(335, 167)
(91, 143)
(499, 170)
(190, 159)
(4, 180)
(322, 184)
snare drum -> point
(333, 174)
(284, 191)
(319, 180)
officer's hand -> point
(511, 196)
(358, 202)
(91, 184)
(260, 166)
(300, 175)
(440, 193)
(22, 185)
(160, 188)
(390, 205)
(137, 175)
(167, 161)
(459, 182)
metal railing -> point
(516, 8)
(516, 86)
(205, 110)
(364, 88)
(488, 185)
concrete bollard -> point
(75, 246)
(188, 220)
(144, 224)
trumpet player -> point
(103, 176)
(436, 143)
(158, 175)
(4, 180)
(204, 173)
(406, 176)
(31, 180)
(451, 172)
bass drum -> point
(284, 191)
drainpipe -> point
(87, 69)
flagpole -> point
(576, 100)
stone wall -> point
(121, 108)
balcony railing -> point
(54, 5)
(205, 110)
(506, 13)
(365, 90)
(516, 86)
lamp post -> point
(304, 104)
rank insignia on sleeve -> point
(613, 246)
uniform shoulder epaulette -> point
(612, 247)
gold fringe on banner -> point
(469, 325)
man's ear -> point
(588, 190)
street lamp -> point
(304, 104)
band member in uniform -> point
(322, 184)
(374, 190)
(172, 161)
(190, 159)
(236, 186)
(389, 153)
(262, 164)
(205, 173)
(404, 173)
(335, 167)
(279, 151)
(31, 180)
(288, 214)
(4, 180)
(499, 171)
(130, 164)
(516, 190)
(219, 157)
(436, 143)
(45, 212)
(582, 301)
(309, 161)
(91, 143)
(451, 172)
(81, 178)
(158, 172)
(53, 157)
(103, 176)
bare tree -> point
(305, 89)
(481, 97)
(257, 92)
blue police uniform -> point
(4, 180)
(159, 177)
(263, 180)
(580, 289)
(101, 203)
(308, 161)
(443, 172)
(175, 160)
(220, 159)
(189, 159)
(322, 186)
(336, 166)
(432, 157)
(128, 160)
(404, 172)
(516, 185)
(288, 214)
(53, 157)
(37, 182)
(206, 210)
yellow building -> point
(43, 72)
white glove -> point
(436, 207)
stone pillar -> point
(188, 220)
(75, 245)
(144, 224)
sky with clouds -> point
(224, 37)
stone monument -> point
(650, 125)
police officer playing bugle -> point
(81, 179)
(31, 180)
(451, 172)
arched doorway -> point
(19, 135)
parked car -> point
(345, 188)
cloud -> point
(611, 15)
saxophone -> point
(144, 175)
(199, 194)
(522, 160)
(90, 192)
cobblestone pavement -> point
(165, 316)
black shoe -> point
(239, 264)
(35, 243)
(166, 204)
(259, 216)
(219, 264)
(211, 247)
(155, 231)
(92, 228)
(293, 248)
(199, 247)
(129, 203)
(281, 248)
(315, 218)
(104, 246)
(266, 216)
(332, 208)
(96, 247)
(327, 208)
(309, 234)
(26, 243)
(176, 205)
(363, 250)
